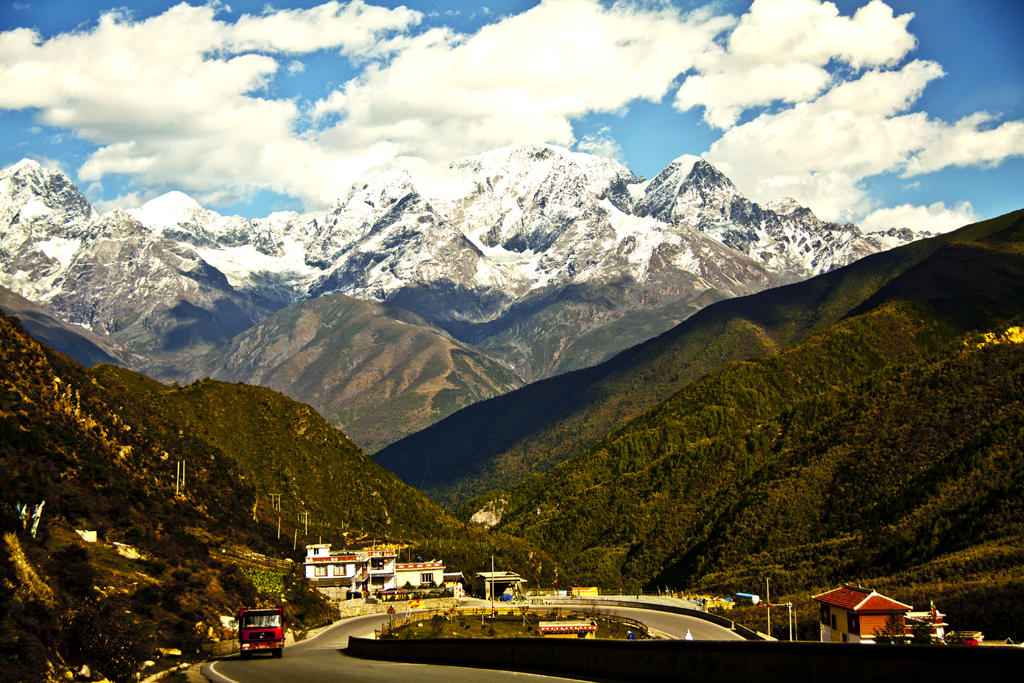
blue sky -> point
(895, 113)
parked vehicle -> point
(261, 630)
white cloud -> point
(125, 201)
(181, 100)
(779, 50)
(601, 143)
(354, 28)
(172, 102)
(49, 162)
(444, 95)
(820, 151)
(968, 142)
(935, 218)
(725, 94)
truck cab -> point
(261, 630)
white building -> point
(420, 574)
(355, 570)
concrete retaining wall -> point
(708, 661)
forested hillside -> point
(99, 450)
(885, 449)
(497, 443)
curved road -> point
(318, 659)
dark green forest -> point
(884, 449)
(496, 444)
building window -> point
(426, 577)
(320, 570)
(833, 621)
(852, 623)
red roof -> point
(566, 627)
(859, 599)
(406, 566)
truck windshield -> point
(272, 620)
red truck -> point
(261, 629)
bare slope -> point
(376, 371)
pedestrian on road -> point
(689, 636)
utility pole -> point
(492, 585)
(768, 602)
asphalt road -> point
(319, 659)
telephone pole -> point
(768, 602)
(179, 477)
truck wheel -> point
(278, 653)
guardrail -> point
(746, 633)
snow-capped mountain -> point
(110, 273)
(785, 237)
(543, 258)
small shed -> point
(452, 579)
(498, 583)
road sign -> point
(391, 609)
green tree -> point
(892, 632)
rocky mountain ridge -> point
(544, 259)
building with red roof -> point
(419, 574)
(852, 614)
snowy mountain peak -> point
(684, 186)
(25, 165)
(30, 193)
(706, 176)
(783, 206)
(178, 216)
(520, 226)
(683, 165)
(174, 204)
(382, 189)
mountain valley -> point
(861, 424)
